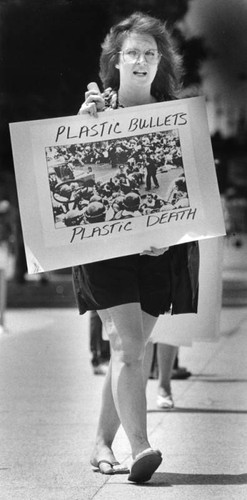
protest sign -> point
(96, 188)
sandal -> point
(107, 467)
(165, 402)
(144, 465)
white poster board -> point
(95, 188)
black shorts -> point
(134, 278)
(159, 284)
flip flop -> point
(110, 468)
(144, 465)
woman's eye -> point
(132, 53)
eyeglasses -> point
(130, 56)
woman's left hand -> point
(155, 252)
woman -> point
(140, 65)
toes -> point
(106, 467)
(121, 469)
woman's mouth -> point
(140, 73)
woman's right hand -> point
(94, 101)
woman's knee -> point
(128, 351)
(124, 326)
(133, 355)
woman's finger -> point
(92, 93)
(88, 108)
(94, 98)
(159, 251)
(155, 252)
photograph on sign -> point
(116, 179)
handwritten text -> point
(81, 233)
(164, 217)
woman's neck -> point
(126, 99)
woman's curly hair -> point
(167, 82)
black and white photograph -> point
(123, 238)
(116, 179)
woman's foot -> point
(165, 401)
(104, 461)
(144, 465)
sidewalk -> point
(50, 403)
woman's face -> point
(138, 73)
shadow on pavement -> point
(174, 479)
(215, 379)
(177, 409)
(169, 479)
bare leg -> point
(128, 328)
(107, 428)
(147, 362)
(166, 355)
(125, 329)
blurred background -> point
(49, 51)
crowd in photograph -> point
(115, 179)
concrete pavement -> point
(50, 401)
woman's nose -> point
(141, 58)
